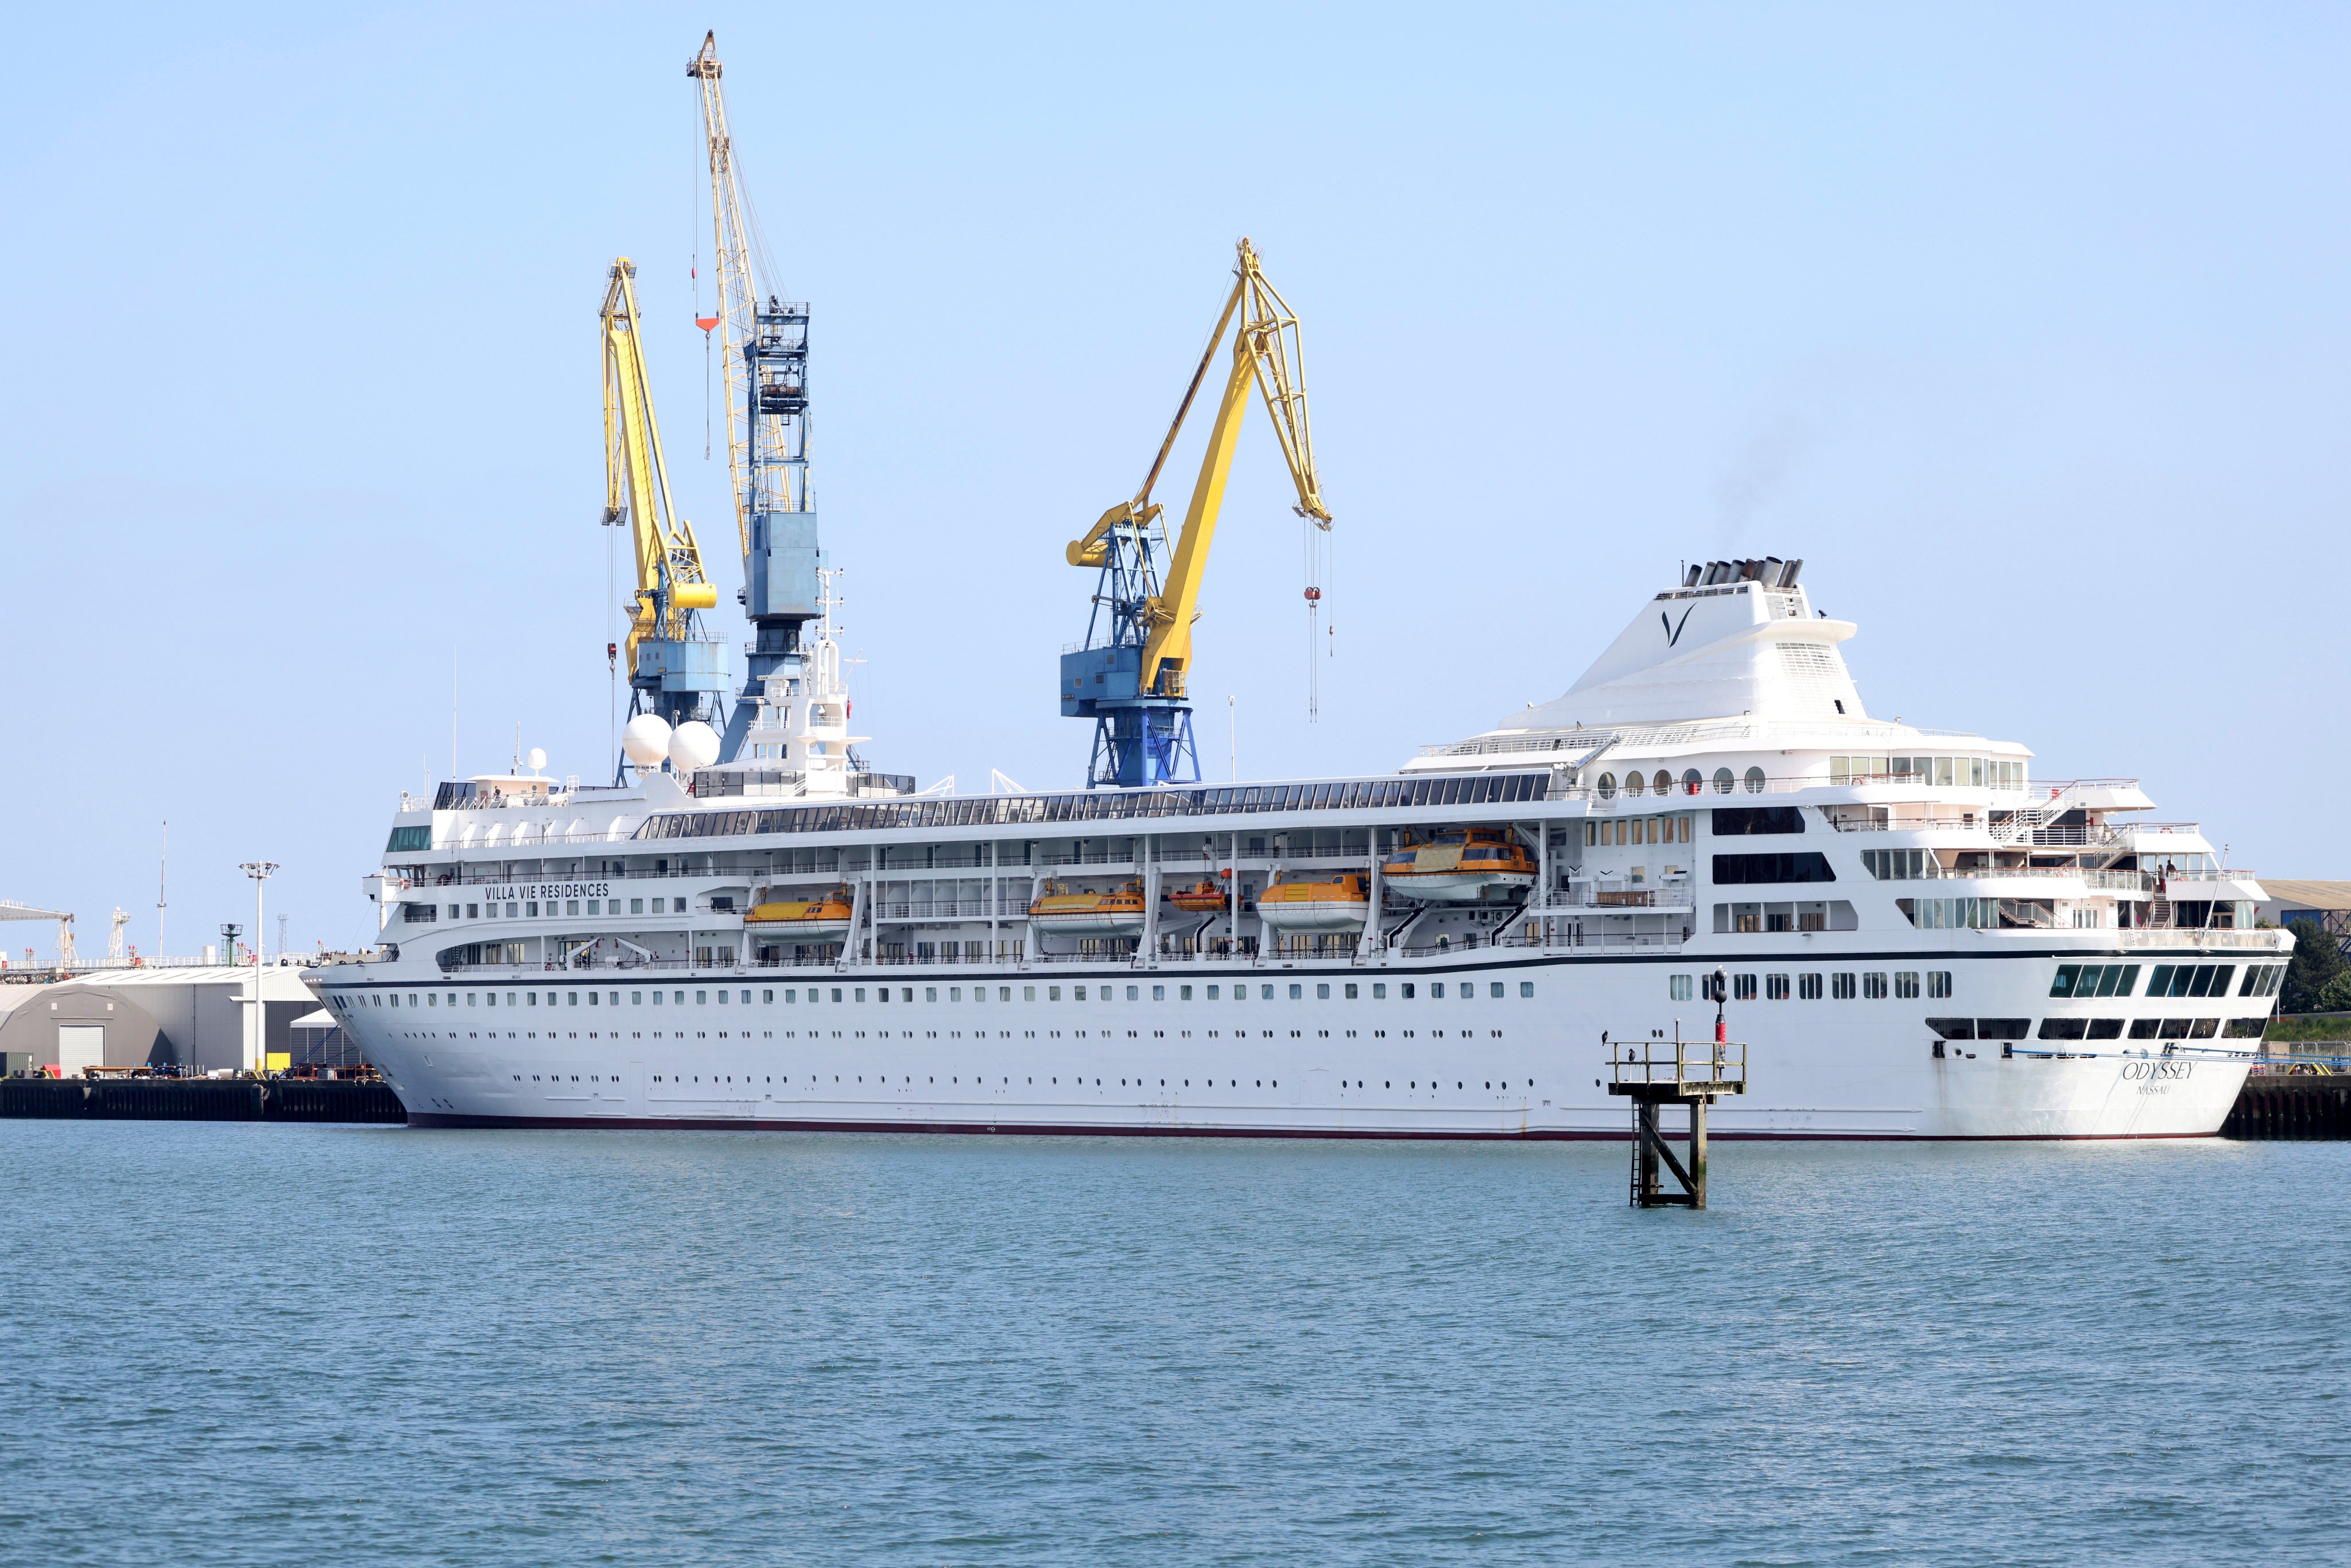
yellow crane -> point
(1130, 675)
(674, 670)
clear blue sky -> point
(2027, 331)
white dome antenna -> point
(646, 740)
(692, 744)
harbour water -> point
(243, 1343)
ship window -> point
(1404, 990)
(1938, 983)
(1028, 993)
(1379, 991)
(1493, 989)
(572, 906)
(1077, 993)
(1351, 990)
(1526, 988)
(636, 906)
(1437, 990)
(1742, 988)
(1906, 985)
(1841, 986)
(1053, 993)
(702, 998)
(1664, 782)
(1755, 782)
(1158, 993)
(1183, 993)
(1873, 984)
(930, 993)
(1679, 988)
(1775, 987)
(1634, 785)
(1691, 782)
(1296, 992)
(1264, 993)
(1214, 994)
(1322, 993)
(1130, 994)
(1722, 781)
(1808, 987)
(1607, 786)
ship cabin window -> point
(1663, 783)
(636, 906)
(1264, 993)
(1906, 985)
(1131, 994)
(1742, 988)
(1775, 987)
(1634, 785)
(1808, 987)
(1028, 993)
(1873, 984)
(1606, 790)
(1322, 993)
(1679, 988)
(1755, 780)
(1404, 990)
(1722, 781)
(1691, 782)
(1052, 993)
(1214, 993)
(1158, 993)
(1183, 993)
(1841, 987)
(1437, 990)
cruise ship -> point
(1920, 938)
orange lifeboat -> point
(1080, 913)
(1203, 897)
(1342, 904)
(1458, 865)
(821, 918)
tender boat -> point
(1459, 865)
(824, 917)
(1203, 897)
(1084, 912)
(1342, 904)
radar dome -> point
(646, 740)
(693, 745)
(537, 758)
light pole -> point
(1233, 735)
(257, 1052)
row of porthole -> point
(1691, 783)
(1349, 992)
(957, 1080)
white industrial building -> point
(141, 1017)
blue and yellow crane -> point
(676, 670)
(1129, 677)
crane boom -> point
(668, 659)
(1131, 682)
(766, 352)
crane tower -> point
(767, 349)
(1129, 677)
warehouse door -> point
(80, 1045)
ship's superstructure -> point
(1921, 939)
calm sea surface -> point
(291, 1344)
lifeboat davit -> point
(1203, 897)
(1459, 865)
(822, 918)
(1342, 904)
(1058, 909)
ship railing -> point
(2197, 935)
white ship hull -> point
(1474, 1067)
